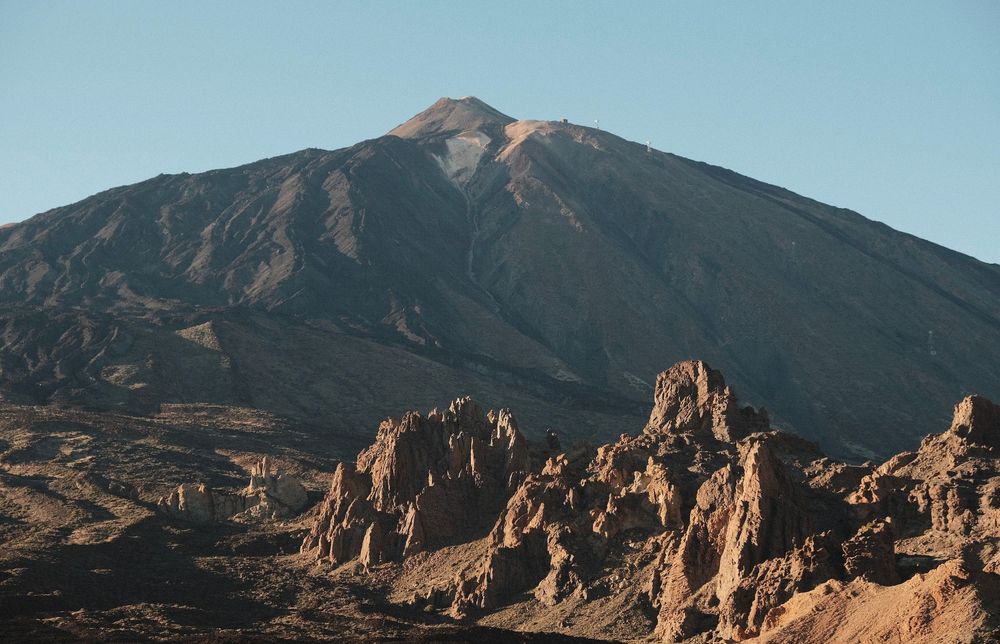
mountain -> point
(550, 266)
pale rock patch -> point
(462, 156)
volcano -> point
(543, 265)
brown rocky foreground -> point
(706, 526)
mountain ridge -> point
(536, 247)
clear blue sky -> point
(891, 109)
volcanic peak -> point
(449, 116)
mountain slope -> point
(545, 258)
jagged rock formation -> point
(425, 482)
(944, 499)
(745, 526)
(568, 511)
(269, 495)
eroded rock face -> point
(977, 422)
(533, 543)
(425, 482)
(943, 499)
(269, 495)
(743, 522)
(691, 397)
(572, 510)
(758, 533)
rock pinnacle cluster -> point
(708, 523)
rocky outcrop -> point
(532, 544)
(269, 495)
(733, 523)
(651, 501)
(692, 398)
(977, 422)
(777, 523)
(759, 532)
(943, 499)
(870, 553)
(427, 481)
(570, 512)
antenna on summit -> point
(649, 148)
(597, 124)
